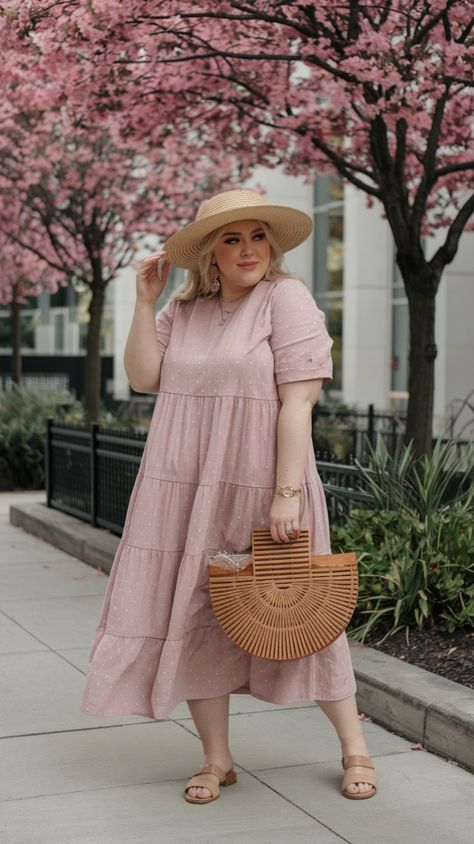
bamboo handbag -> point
(285, 604)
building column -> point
(368, 273)
(124, 302)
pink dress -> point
(206, 478)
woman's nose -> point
(247, 247)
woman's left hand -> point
(285, 518)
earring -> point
(215, 284)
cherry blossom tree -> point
(379, 92)
(88, 196)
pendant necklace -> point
(224, 311)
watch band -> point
(287, 491)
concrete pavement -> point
(68, 778)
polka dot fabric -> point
(206, 479)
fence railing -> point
(351, 430)
(90, 473)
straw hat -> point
(289, 226)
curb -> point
(416, 704)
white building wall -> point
(366, 337)
(454, 367)
(124, 290)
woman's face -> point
(242, 254)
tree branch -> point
(431, 23)
(445, 254)
(454, 168)
(428, 178)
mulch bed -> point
(450, 655)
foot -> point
(225, 762)
(356, 747)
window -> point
(329, 261)
(59, 331)
(28, 321)
(400, 340)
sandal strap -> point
(358, 769)
(215, 770)
(357, 761)
(204, 780)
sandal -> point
(358, 769)
(206, 778)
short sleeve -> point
(299, 341)
(163, 324)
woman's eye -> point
(231, 240)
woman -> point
(238, 357)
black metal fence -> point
(90, 473)
(346, 432)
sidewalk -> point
(68, 778)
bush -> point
(415, 547)
(23, 415)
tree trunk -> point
(16, 340)
(422, 355)
(92, 372)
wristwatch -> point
(287, 491)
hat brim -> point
(289, 227)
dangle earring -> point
(215, 284)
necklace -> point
(224, 311)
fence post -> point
(371, 425)
(48, 463)
(94, 473)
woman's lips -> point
(248, 266)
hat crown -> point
(230, 200)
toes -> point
(199, 793)
(359, 788)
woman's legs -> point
(345, 718)
(211, 719)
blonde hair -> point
(197, 282)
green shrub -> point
(415, 547)
(23, 415)
(22, 430)
(331, 435)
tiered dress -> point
(206, 479)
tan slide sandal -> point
(210, 777)
(358, 769)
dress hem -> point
(240, 691)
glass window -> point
(27, 329)
(59, 330)
(400, 335)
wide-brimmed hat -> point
(288, 226)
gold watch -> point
(287, 491)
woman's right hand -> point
(152, 276)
